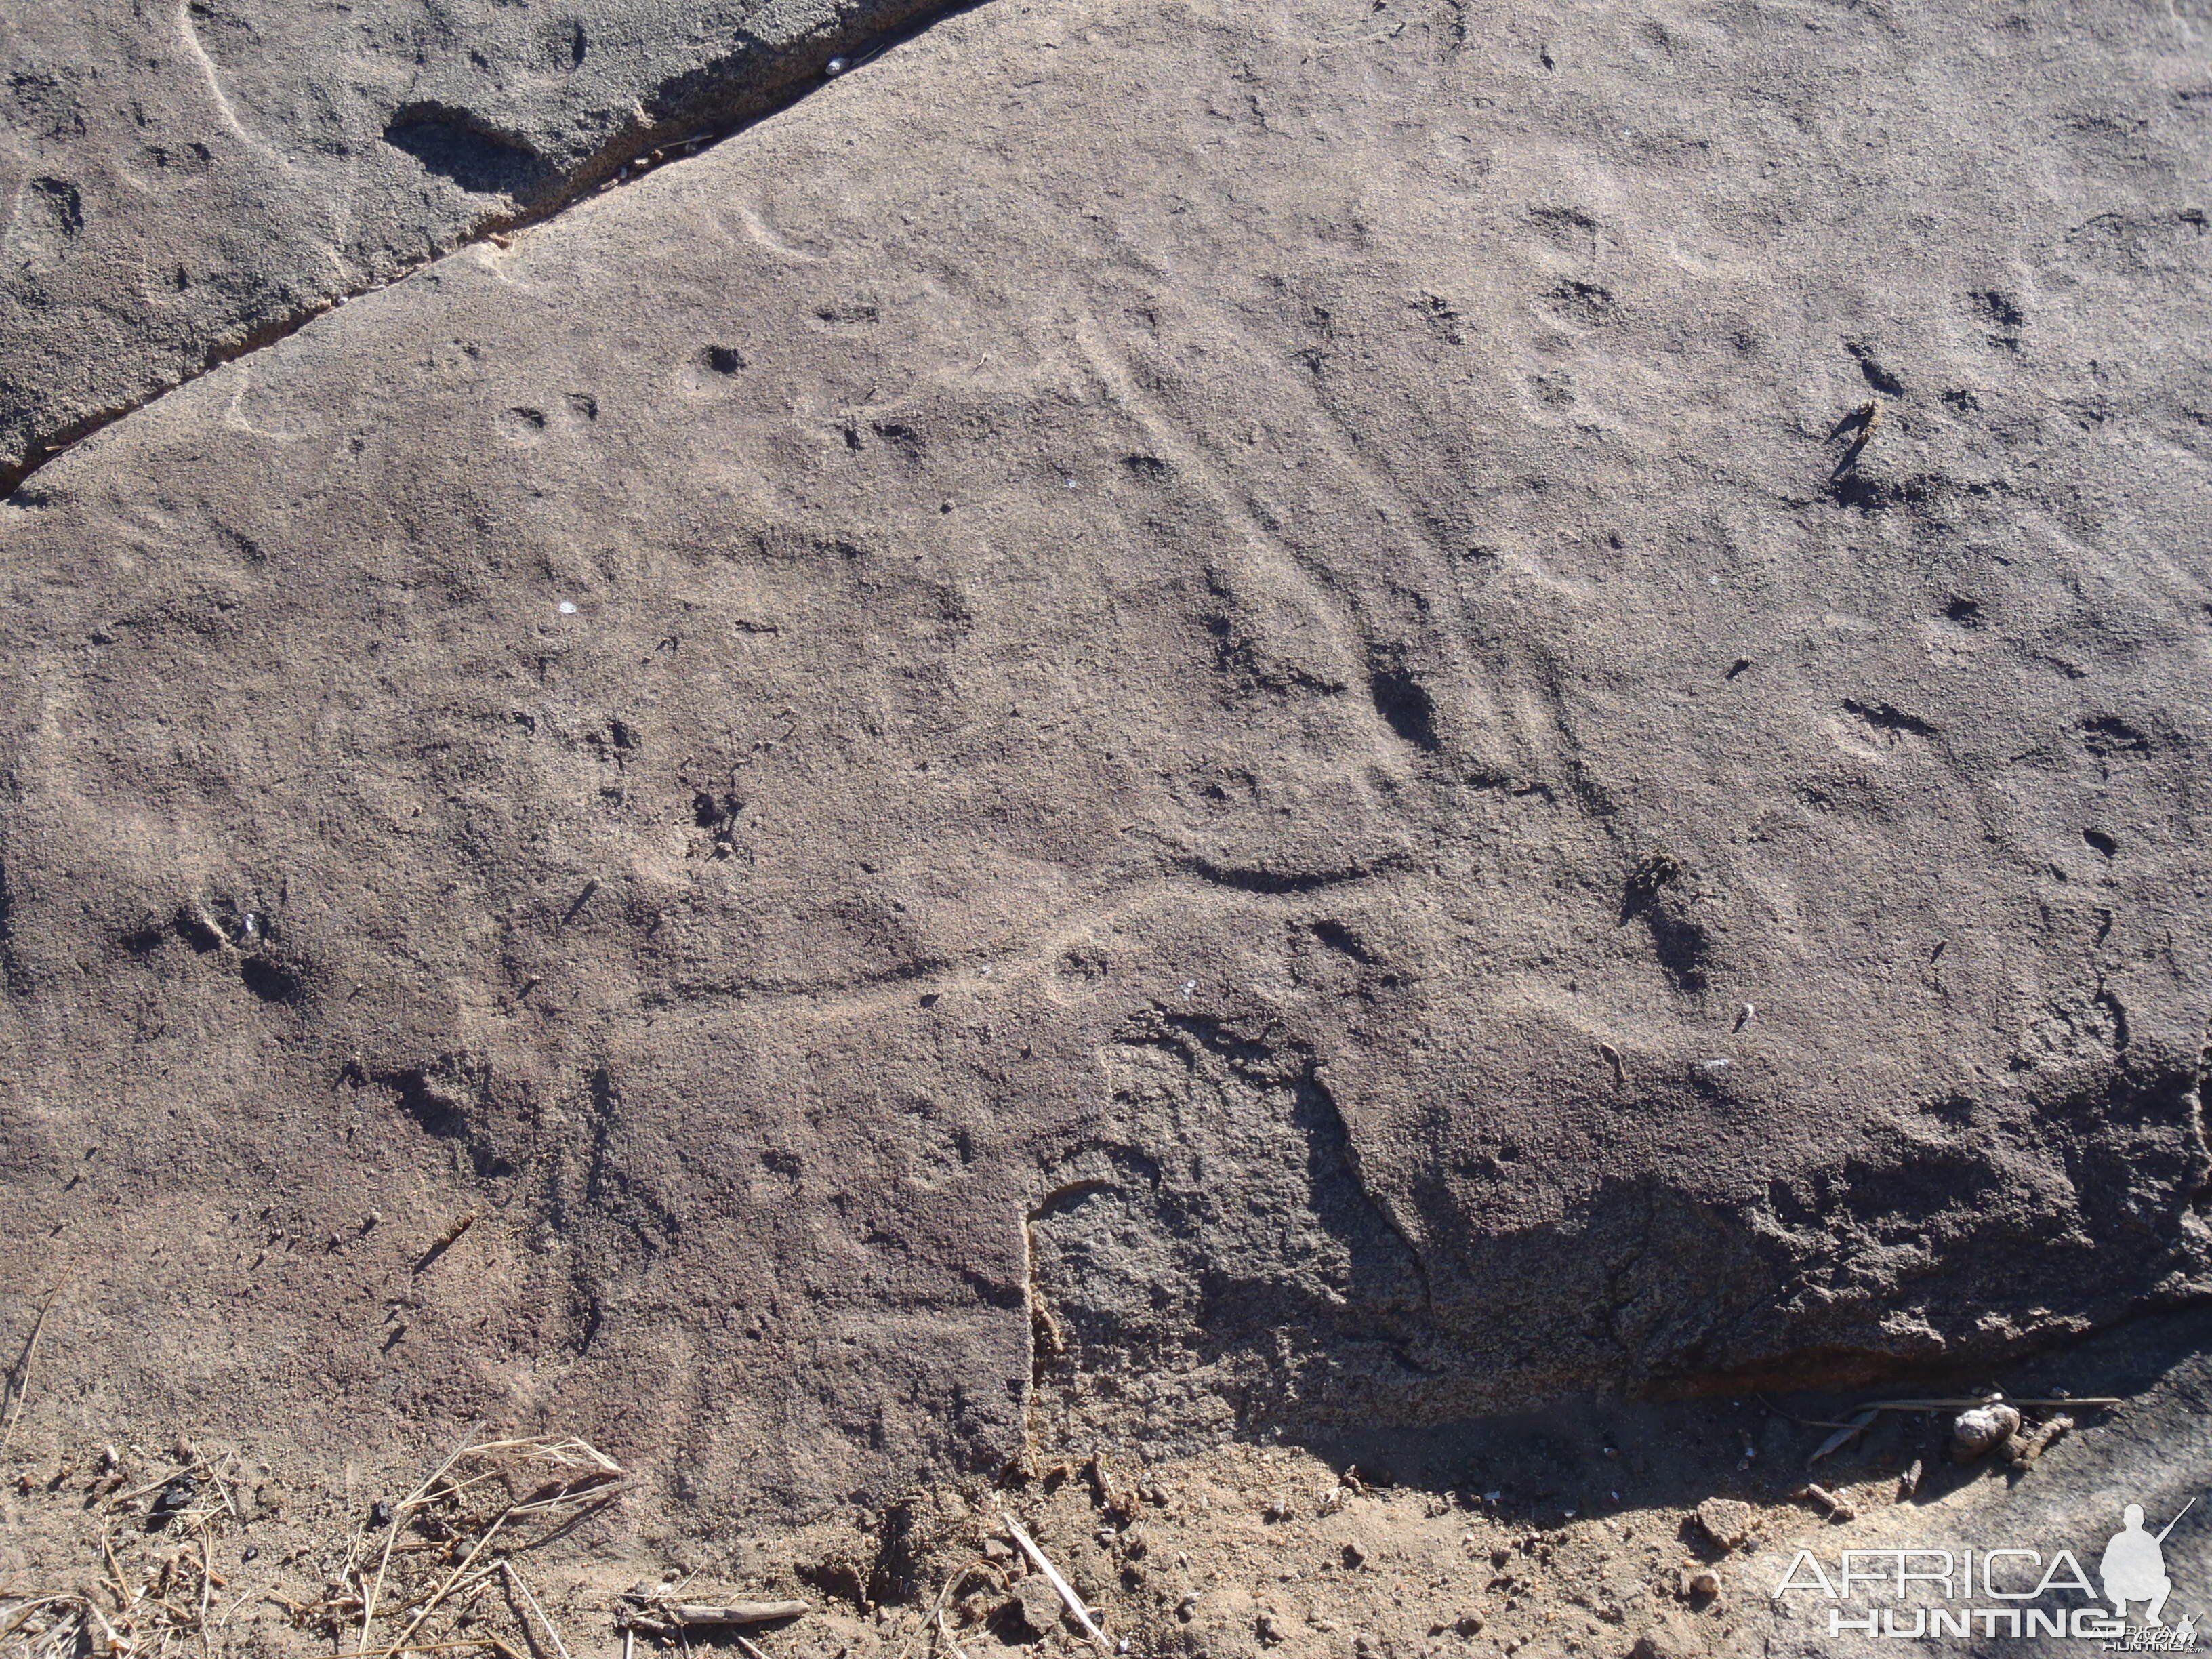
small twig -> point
(1067, 1591)
(514, 1582)
(30, 1607)
(114, 1642)
(19, 1384)
(737, 1613)
(413, 1500)
(467, 1562)
(944, 1596)
(221, 1479)
(369, 1596)
(467, 1587)
(123, 1596)
(1985, 1399)
(1835, 1506)
(1787, 1417)
(944, 1632)
(243, 1599)
(1843, 1436)
(207, 1584)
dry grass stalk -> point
(171, 1604)
(514, 1582)
(1052, 1575)
(934, 1626)
(572, 1478)
(19, 1382)
(1845, 1434)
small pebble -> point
(177, 1495)
(1984, 1426)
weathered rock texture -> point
(1160, 716)
(181, 180)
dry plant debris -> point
(159, 1584)
(19, 1380)
(485, 1492)
(1066, 1590)
(443, 1546)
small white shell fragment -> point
(567, 607)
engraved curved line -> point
(757, 229)
(191, 36)
(1118, 903)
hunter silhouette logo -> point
(2001, 1593)
(2133, 1566)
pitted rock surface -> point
(184, 182)
(1158, 721)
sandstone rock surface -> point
(185, 181)
(1159, 718)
